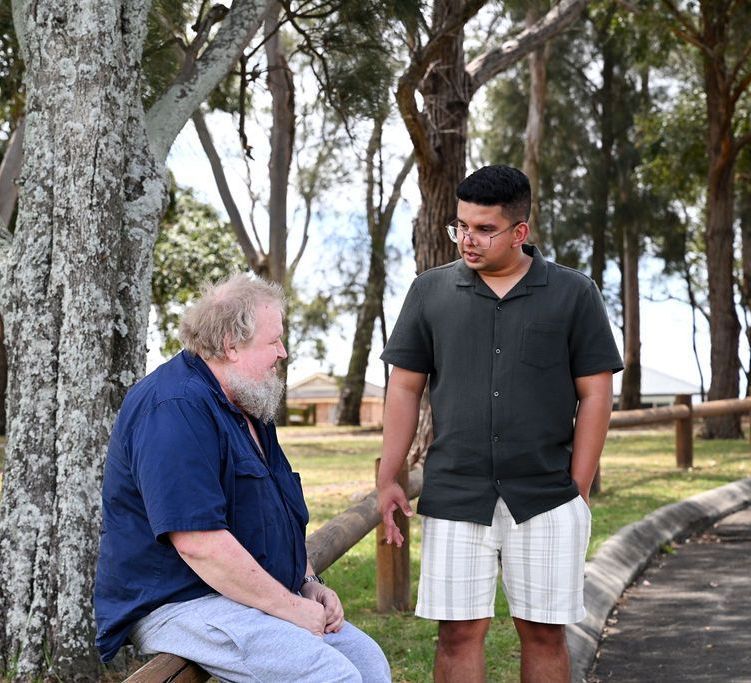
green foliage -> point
(309, 322)
(350, 46)
(193, 246)
(164, 47)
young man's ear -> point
(521, 234)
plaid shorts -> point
(542, 563)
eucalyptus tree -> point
(716, 35)
(439, 72)
(380, 205)
(75, 298)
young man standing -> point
(520, 357)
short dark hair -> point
(498, 185)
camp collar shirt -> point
(181, 458)
(501, 378)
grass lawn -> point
(638, 476)
(337, 467)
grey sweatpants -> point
(238, 643)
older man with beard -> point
(203, 535)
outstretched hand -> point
(390, 499)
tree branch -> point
(740, 64)
(251, 255)
(169, 113)
(483, 68)
(373, 144)
(396, 190)
(684, 21)
(409, 82)
(19, 26)
(10, 171)
(741, 142)
(742, 86)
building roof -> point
(656, 383)
(322, 386)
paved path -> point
(688, 617)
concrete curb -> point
(625, 554)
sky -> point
(665, 321)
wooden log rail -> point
(327, 544)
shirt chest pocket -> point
(544, 345)
(253, 504)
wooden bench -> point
(166, 668)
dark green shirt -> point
(501, 383)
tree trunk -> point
(446, 95)
(76, 306)
(282, 89)
(3, 377)
(744, 213)
(354, 383)
(603, 171)
(631, 383)
(724, 327)
(379, 220)
(533, 135)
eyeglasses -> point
(480, 238)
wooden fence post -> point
(392, 563)
(684, 435)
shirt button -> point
(496, 438)
(498, 307)
(496, 394)
(497, 350)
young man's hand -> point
(391, 497)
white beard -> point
(260, 398)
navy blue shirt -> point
(181, 458)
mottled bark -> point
(537, 61)
(75, 306)
(3, 376)
(379, 223)
(75, 299)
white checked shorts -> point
(542, 563)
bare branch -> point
(168, 115)
(491, 63)
(741, 142)
(10, 171)
(396, 190)
(374, 144)
(19, 12)
(251, 255)
(685, 21)
(741, 87)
